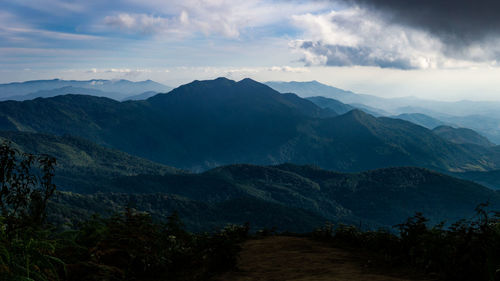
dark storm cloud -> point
(456, 22)
(348, 56)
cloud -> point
(356, 37)
(288, 69)
(15, 32)
(137, 23)
(227, 18)
(118, 70)
(458, 23)
(30, 32)
(359, 37)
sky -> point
(435, 49)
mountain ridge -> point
(241, 122)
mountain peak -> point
(357, 113)
(222, 78)
(248, 80)
(358, 116)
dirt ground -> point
(290, 258)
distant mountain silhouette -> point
(421, 119)
(335, 105)
(394, 106)
(115, 89)
(142, 96)
(64, 91)
(315, 89)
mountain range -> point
(114, 89)
(115, 154)
(392, 105)
(481, 116)
(205, 124)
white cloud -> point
(120, 70)
(288, 69)
(227, 18)
(357, 37)
(26, 31)
(15, 31)
(138, 23)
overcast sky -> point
(440, 49)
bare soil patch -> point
(291, 258)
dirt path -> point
(290, 258)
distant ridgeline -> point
(113, 89)
(481, 116)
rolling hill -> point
(94, 179)
(462, 136)
(304, 196)
(82, 165)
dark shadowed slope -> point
(375, 198)
(381, 197)
(489, 179)
(82, 165)
(389, 195)
(197, 215)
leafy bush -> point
(126, 246)
(26, 246)
(130, 246)
(467, 250)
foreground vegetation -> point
(131, 245)
(467, 250)
(126, 246)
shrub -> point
(467, 250)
